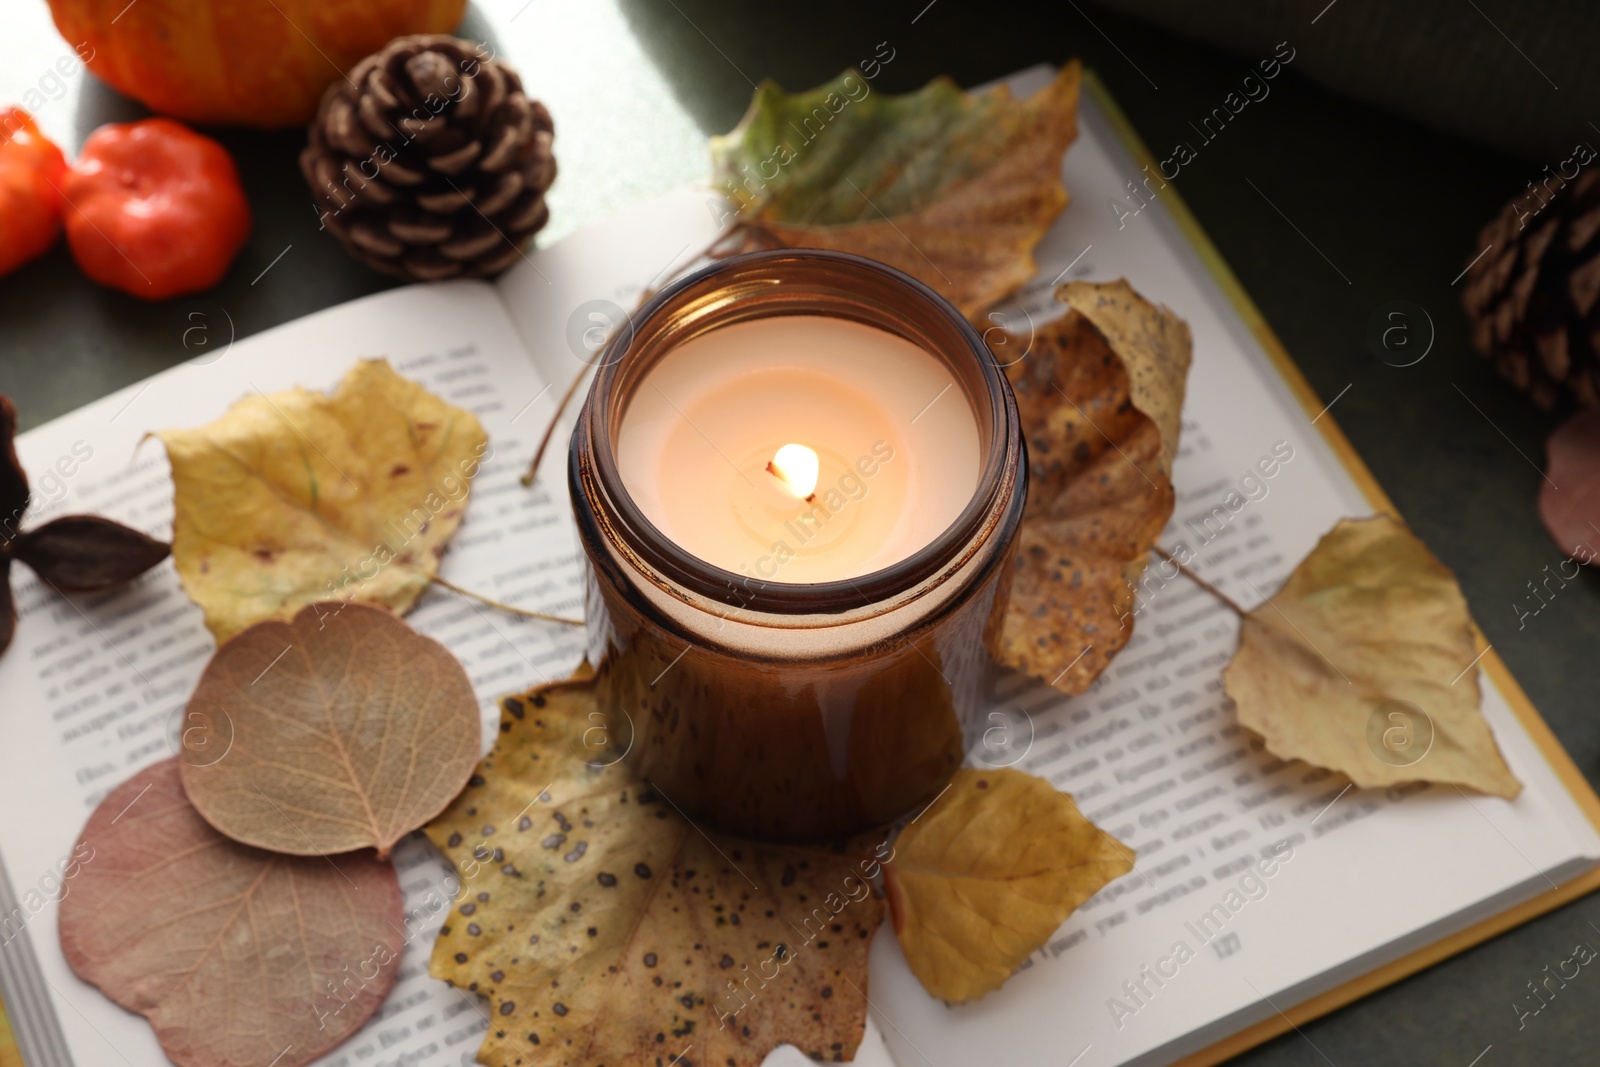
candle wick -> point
(799, 459)
(772, 470)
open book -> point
(1264, 891)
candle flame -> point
(796, 468)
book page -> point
(1255, 879)
(567, 300)
(95, 685)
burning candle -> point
(797, 481)
(799, 448)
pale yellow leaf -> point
(1365, 663)
(296, 497)
(988, 873)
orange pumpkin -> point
(245, 62)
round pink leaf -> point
(238, 957)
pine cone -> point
(1534, 298)
(430, 162)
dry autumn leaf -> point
(87, 553)
(72, 554)
(237, 957)
(953, 188)
(985, 876)
(1099, 393)
(606, 929)
(301, 496)
(342, 729)
(1365, 663)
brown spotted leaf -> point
(1099, 393)
(238, 957)
(339, 730)
(1365, 662)
(604, 928)
(300, 496)
(987, 874)
(953, 188)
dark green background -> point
(636, 85)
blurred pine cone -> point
(430, 162)
(1534, 298)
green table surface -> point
(1382, 210)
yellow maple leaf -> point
(953, 188)
(606, 928)
(1099, 393)
(298, 497)
(1365, 663)
(988, 873)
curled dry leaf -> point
(73, 554)
(1569, 495)
(85, 553)
(606, 929)
(300, 496)
(1364, 663)
(342, 729)
(234, 955)
(1099, 393)
(985, 876)
(953, 188)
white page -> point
(1153, 755)
(565, 300)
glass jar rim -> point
(603, 411)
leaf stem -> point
(501, 605)
(1222, 597)
(550, 428)
(532, 472)
(708, 250)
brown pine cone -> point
(1534, 298)
(429, 161)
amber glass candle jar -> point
(796, 710)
